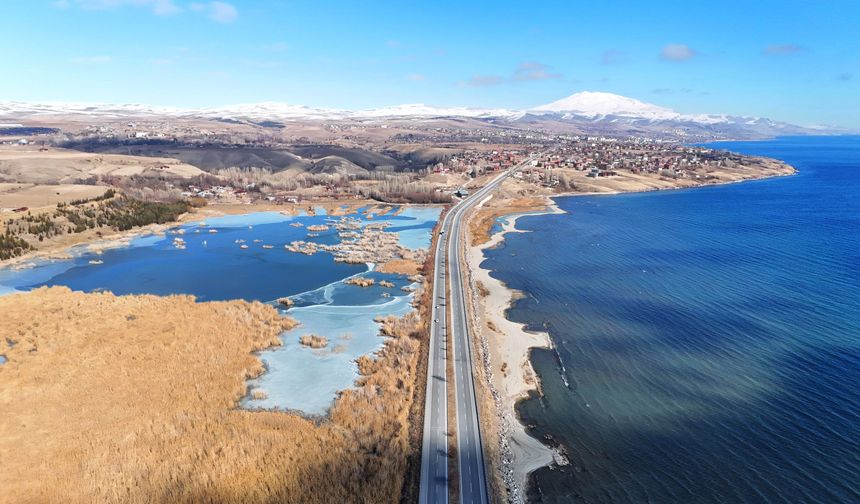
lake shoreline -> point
(96, 239)
(252, 250)
(511, 376)
(508, 341)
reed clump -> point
(314, 341)
(359, 281)
(400, 266)
(482, 289)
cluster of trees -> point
(265, 180)
(117, 213)
(123, 214)
(110, 193)
(41, 225)
(381, 185)
(398, 190)
(12, 245)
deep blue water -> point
(710, 337)
(213, 266)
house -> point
(597, 172)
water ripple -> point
(711, 338)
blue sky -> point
(788, 60)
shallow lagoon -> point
(213, 266)
(307, 379)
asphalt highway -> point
(434, 451)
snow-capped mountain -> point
(255, 111)
(263, 111)
(614, 114)
(267, 111)
(596, 104)
(421, 110)
(25, 109)
(248, 111)
(584, 112)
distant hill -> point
(26, 131)
(334, 164)
(366, 159)
(311, 158)
(585, 112)
(207, 158)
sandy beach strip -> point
(507, 345)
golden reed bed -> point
(133, 399)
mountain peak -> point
(596, 103)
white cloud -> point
(416, 77)
(276, 47)
(485, 80)
(612, 57)
(783, 49)
(90, 60)
(677, 52)
(165, 8)
(532, 70)
(524, 72)
(223, 12)
(158, 7)
(264, 64)
(220, 12)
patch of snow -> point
(590, 106)
(595, 104)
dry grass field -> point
(133, 399)
(481, 223)
(14, 195)
(402, 266)
(60, 166)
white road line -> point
(466, 413)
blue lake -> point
(214, 266)
(707, 340)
